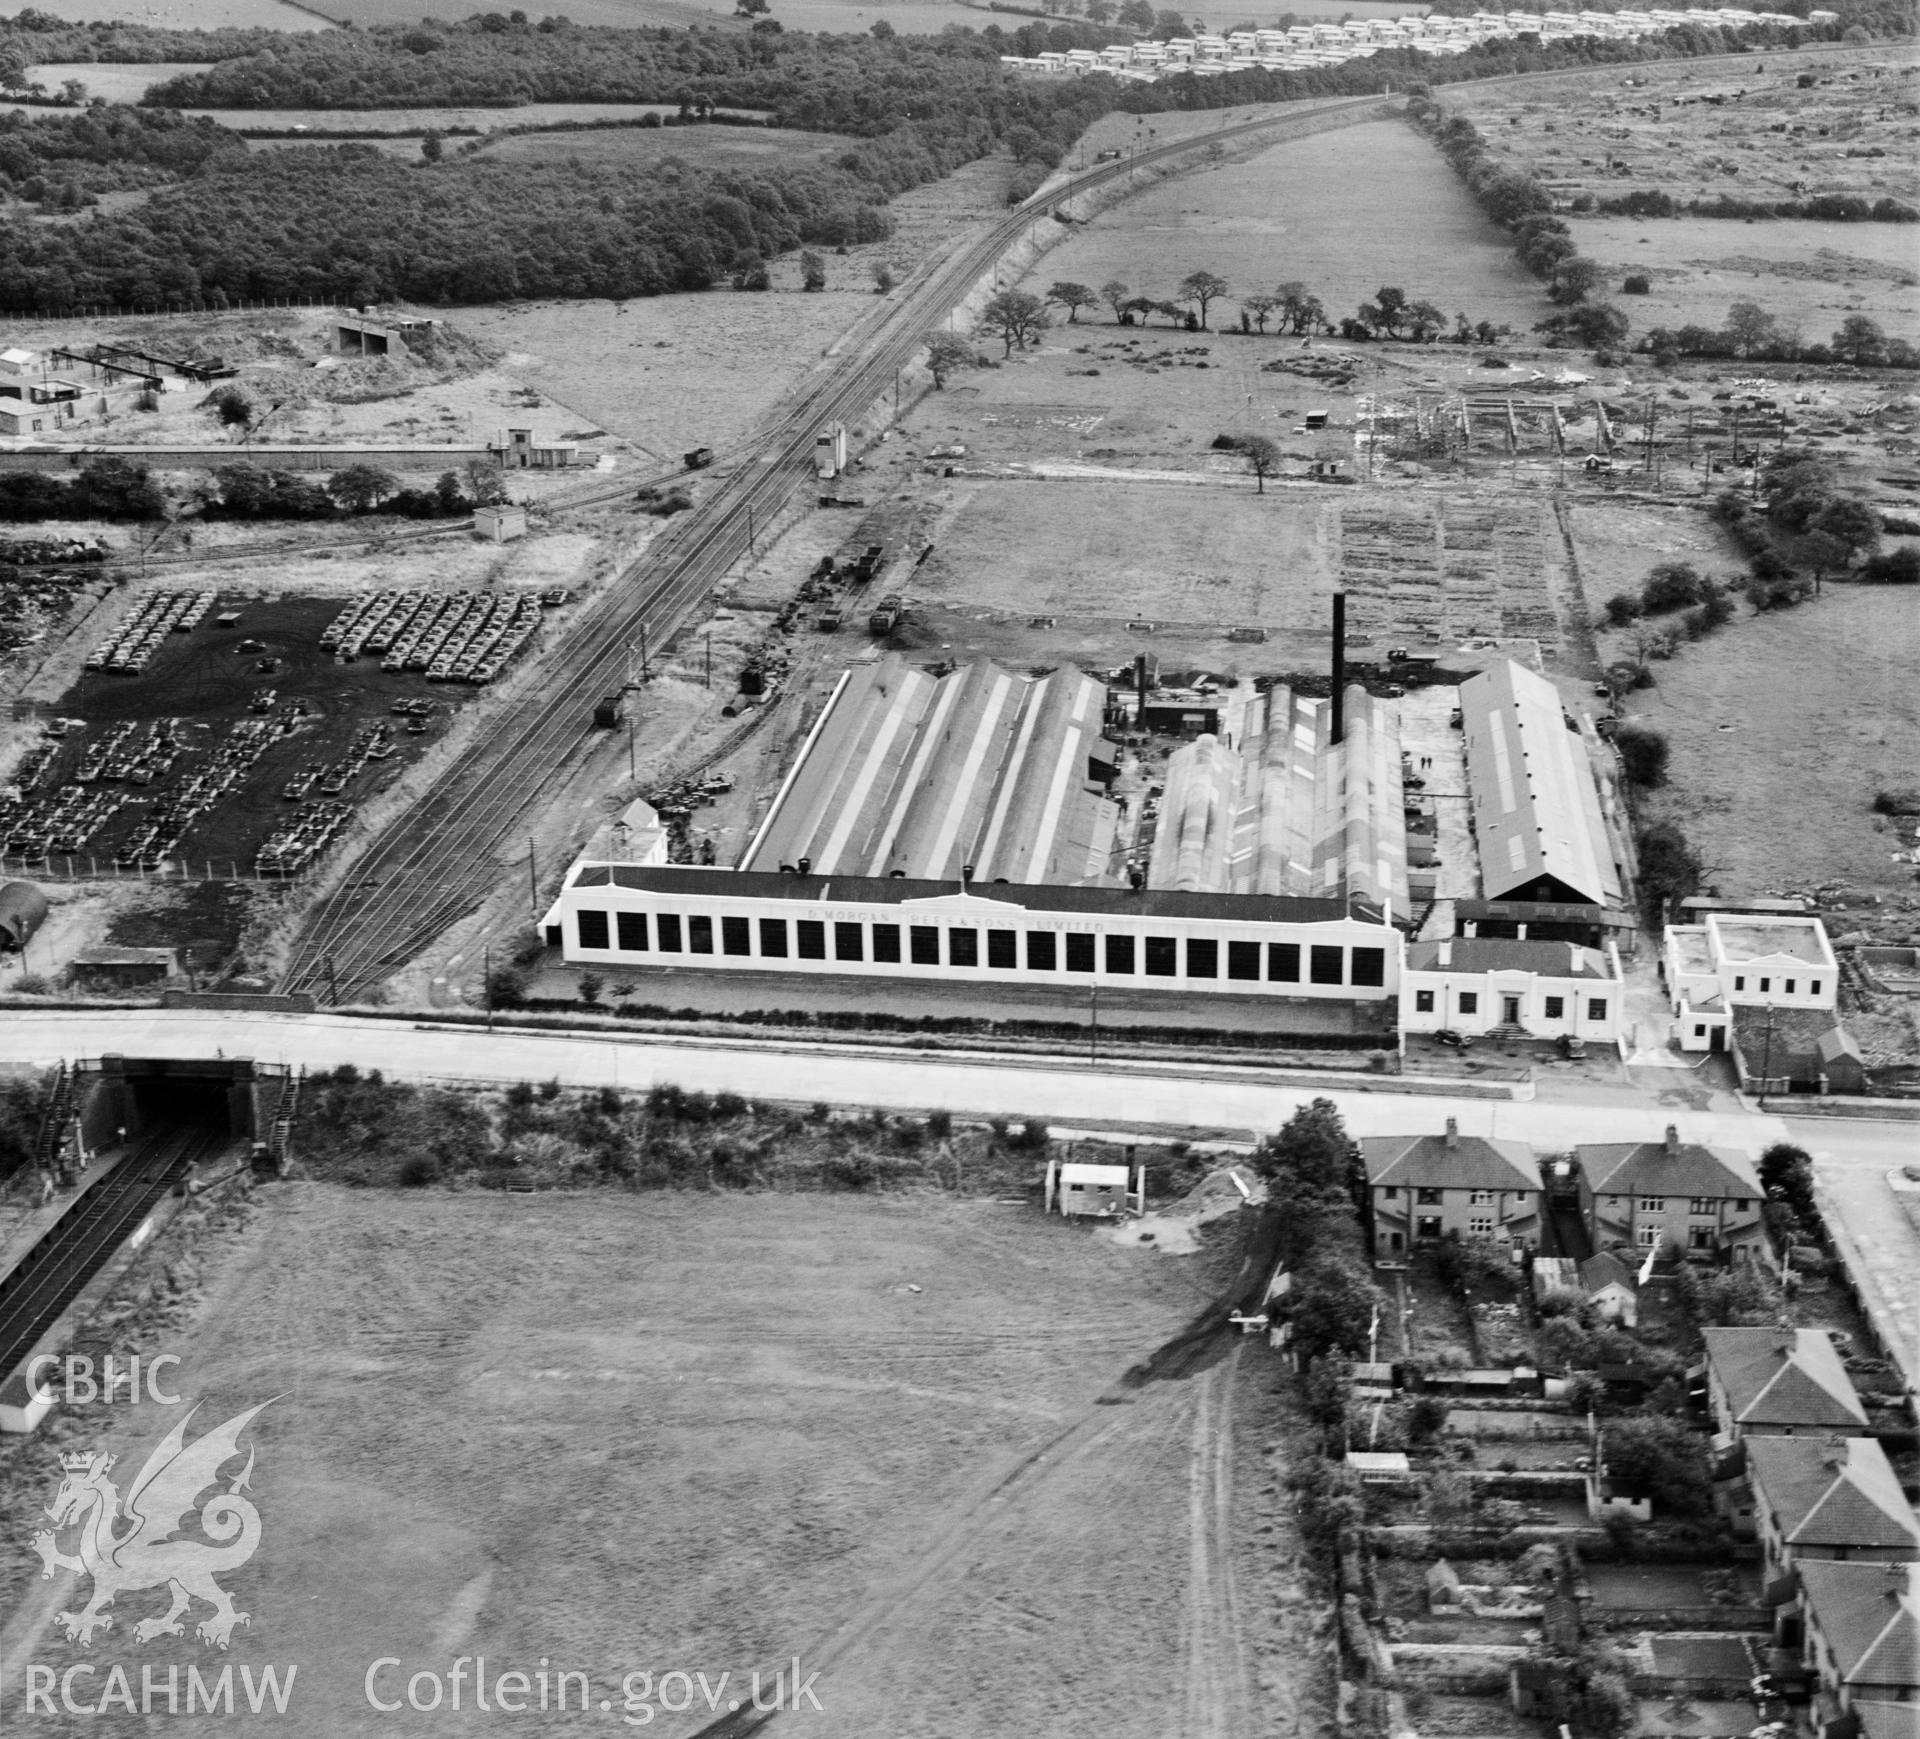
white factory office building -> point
(1543, 990)
(1739, 960)
(959, 830)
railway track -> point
(35, 1295)
(437, 863)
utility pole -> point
(706, 679)
(486, 980)
(533, 880)
(630, 772)
(1093, 1027)
(333, 984)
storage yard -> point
(251, 739)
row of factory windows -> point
(934, 945)
(1468, 1002)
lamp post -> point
(1093, 1026)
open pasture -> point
(1783, 728)
(1342, 212)
(190, 14)
(1809, 276)
(480, 120)
(830, 16)
(644, 148)
(624, 1433)
(117, 82)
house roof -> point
(1606, 1269)
(1450, 1161)
(1536, 811)
(1668, 1168)
(1870, 1617)
(1827, 1491)
(1501, 954)
(1887, 1720)
(1782, 1377)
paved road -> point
(1061, 1090)
(1851, 1161)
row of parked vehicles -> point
(308, 832)
(451, 636)
(124, 770)
(128, 650)
(372, 742)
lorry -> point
(697, 459)
(830, 452)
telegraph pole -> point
(533, 880)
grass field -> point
(1809, 276)
(919, 16)
(1342, 212)
(116, 82)
(704, 1433)
(1783, 727)
(645, 147)
(190, 14)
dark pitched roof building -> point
(1771, 1379)
(1450, 1161)
(1671, 1167)
(1868, 1617)
(1834, 1496)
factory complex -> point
(1032, 840)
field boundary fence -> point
(80, 867)
(177, 308)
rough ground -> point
(862, 1429)
(1783, 727)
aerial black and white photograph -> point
(960, 869)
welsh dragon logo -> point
(146, 1555)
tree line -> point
(349, 222)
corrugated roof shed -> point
(1536, 809)
(1285, 810)
(906, 773)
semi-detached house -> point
(1826, 1499)
(1859, 1635)
(1426, 1187)
(1703, 1202)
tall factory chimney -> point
(1339, 716)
